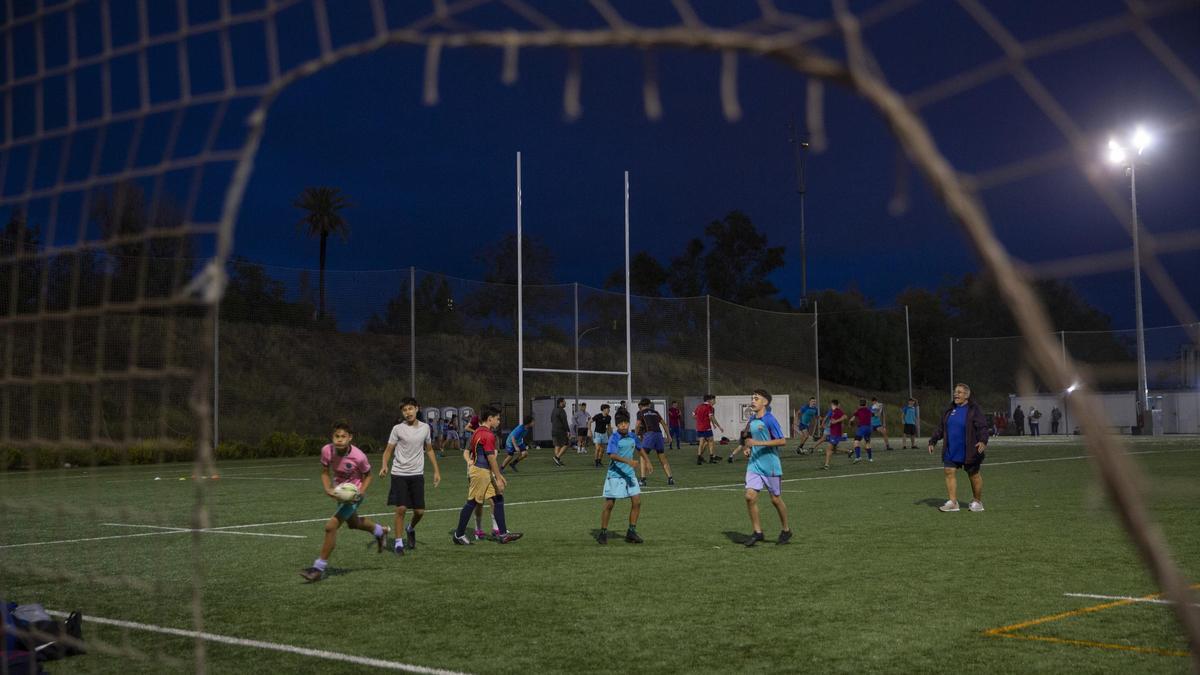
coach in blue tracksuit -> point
(965, 430)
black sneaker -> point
(632, 537)
(599, 464)
(509, 537)
(642, 482)
(729, 459)
(513, 466)
(312, 574)
(670, 480)
(754, 539)
(411, 541)
(715, 459)
(459, 540)
(699, 460)
(784, 537)
(557, 462)
(602, 538)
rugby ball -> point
(346, 492)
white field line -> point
(259, 644)
(592, 497)
(148, 479)
(208, 530)
(1152, 601)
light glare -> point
(1141, 139)
(1073, 387)
(1116, 154)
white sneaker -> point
(950, 506)
(976, 506)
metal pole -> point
(412, 329)
(628, 331)
(1062, 337)
(216, 439)
(908, 349)
(520, 305)
(1143, 392)
(817, 354)
(708, 344)
(576, 285)
(799, 148)
(951, 367)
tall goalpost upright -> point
(521, 369)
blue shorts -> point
(704, 434)
(620, 486)
(864, 433)
(510, 450)
(653, 440)
(348, 509)
(803, 426)
(834, 440)
(758, 483)
(600, 439)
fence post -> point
(817, 354)
(951, 367)
(708, 344)
(1062, 335)
(908, 350)
(412, 330)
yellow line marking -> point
(1010, 630)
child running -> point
(621, 480)
(862, 417)
(833, 423)
(486, 481)
(344, 463)
(879, 422)
(804, 424)
(764, 472)
(652, 426)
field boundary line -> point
(1010, 631)
(260, 644)
(206, 530)
(688, 488)
(1095, 596)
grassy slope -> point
(877, 579)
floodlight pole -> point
(412, 329)
(628, 331)
(952, 367)
(520, 305)
(800, 148)
(1062, 337)
(817, 354)
(216, 439)
(576, 333)
(1143, 392)
(908, 350)
(708, 344)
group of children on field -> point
(411, 444)
(827, 430)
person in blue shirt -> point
(804, 424)
(516, 446)
(965, 430)
(620, 481)
(909, 412)
(764, 470)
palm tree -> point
(323, 217)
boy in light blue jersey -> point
(515, 446)
(879, 422)
(764, 471)
(805, 427)
(909, 412)
(620, 481)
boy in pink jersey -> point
(341, 462)
(833, 423)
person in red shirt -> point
(705, 419)
(833, 425)
(675, 422)
(862, 417)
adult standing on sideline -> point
(1018, 418)
(582, 417)
(1035, 421)
(1055, 418)
(965, 430)
(560, 432)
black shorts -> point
(560, 438)
(910, 430)
(581, 431)
(972, 468)
(407, 491)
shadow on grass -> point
(736, 537)
(933, 502)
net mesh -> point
(126, 154)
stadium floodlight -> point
(1117, 155)
(1073, 387)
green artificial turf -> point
(876, 579)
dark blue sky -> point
(433, 185)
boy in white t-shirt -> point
(408, 446)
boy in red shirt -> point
(705, 419)
(833, 425)
(862, 417)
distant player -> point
(834, 419)
(705, 419)
(651, 425)
(560, 431)
(404, 459)
(341, 462)
(909, 413)
(862, 419)
(804, 424)
(879, 422)
(675, 422)
(620, 482)
(516, 446)
(486, 481)
(765, 471)
(581, 428)
(453, 438)
(601, 426)
(741, 446)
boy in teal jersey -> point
(909, 411)
(620, 482)
(764, 471)
(805, 426)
